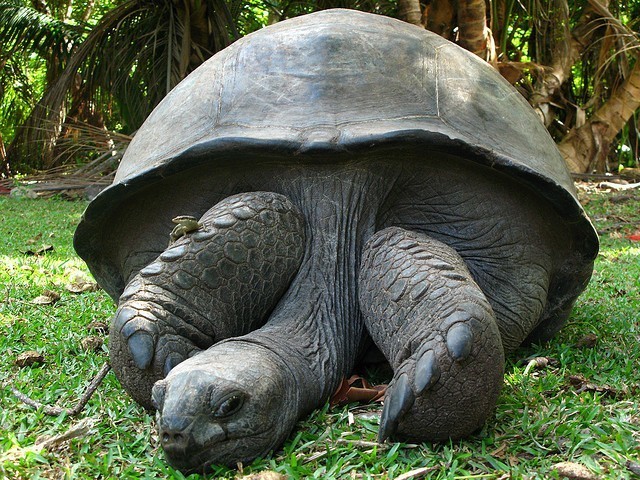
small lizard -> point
(184, 224)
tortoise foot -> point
(148, 340)
(217, 280)
(439, 333)
(447, 387)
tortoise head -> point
(223, 406)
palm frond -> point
(24, 29)
(133, 56)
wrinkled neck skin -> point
(295, 362)
(316, 328)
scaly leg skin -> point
(438, 332)
(214, 283)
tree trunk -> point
(409, 11)
(470, 18)
(586, 148)
(4, 164)
(565, 55)
(441, 18)
(472, 26)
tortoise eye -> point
(157, 395)
(229, 406)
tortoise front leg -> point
(214, 282)
(438, 332)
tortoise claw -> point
(398, 401)
(459, 341)
(427, 372)
(139, 332)
(141, 347)
(172, 360)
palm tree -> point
(126, 63)
(573, 59)
(29, 38)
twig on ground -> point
(80, 429)
(316, 456)
(72, 412)
(417, 473)
(362, 443)
(619, 186)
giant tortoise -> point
(334, 179)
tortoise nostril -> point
(174, 439)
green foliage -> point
(33, 46)
(108, 63)
(22, 28)
(544, 416)
(118, 64)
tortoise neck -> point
(317, 326)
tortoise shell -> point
(335, 81)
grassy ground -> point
(581, 408)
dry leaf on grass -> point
(574, 471)
(635, 236)
(80, 282)
(48, 297)
(29, 358)
(581, 384)
(357, 389)
(81, 287)
(92, 344)
(40, 251)
(98, 327)
(80, 429)
(266, 475)
(588, 341)
(34, 240)
(539, 363)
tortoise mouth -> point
(216, 452)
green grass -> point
(541, 418)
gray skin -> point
(318, 218)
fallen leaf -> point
(634, 237)
(581, 384)
(29, 358)
(500, 451)
(588, 341)
(539, 363)
(574, 471)
(92, 344)
(81, 287)
(510, 72)
(351, 418)
(266, 475)
(35, 239)
(79, 430)
(357, 389)
(48, 297)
